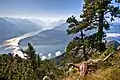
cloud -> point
(49, 55)
(113, 34)
(40, 54)
(43, 57)
(58, 53)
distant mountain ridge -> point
(12, 27)
(7, 30)
(50, 41)
(115, 28)
(61, 27)
(55, 35)
(24, 25)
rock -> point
(113, 43)
(46, 78)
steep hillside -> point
(108, 70)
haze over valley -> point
(47, 38)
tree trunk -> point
(100, 30)
(82, 38)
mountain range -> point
(56, 35)
(50, 41)
(54, 38)
(13, 27)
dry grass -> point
(111, 72)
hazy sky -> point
(40, 8)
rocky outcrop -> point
(113, 43)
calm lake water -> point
(12, 45)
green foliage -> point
(107, 52)
(30, 51)
(72, 44)
(94, 12)
(93, 16)
(77, 27)
(73, 27)
(33, 68)
(102, 55)
(91, 41)
(16, 69)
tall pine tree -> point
(95, 12)
(77, 27)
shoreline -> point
(13, 44)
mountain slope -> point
(56, 35)
(12, 27)
(7, 29)
(49, 41)
(61, 27)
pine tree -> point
(95, 12)
(94, 15)
(30, 51)
(76, 27)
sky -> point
(42, 9)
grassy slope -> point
(110, 70)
